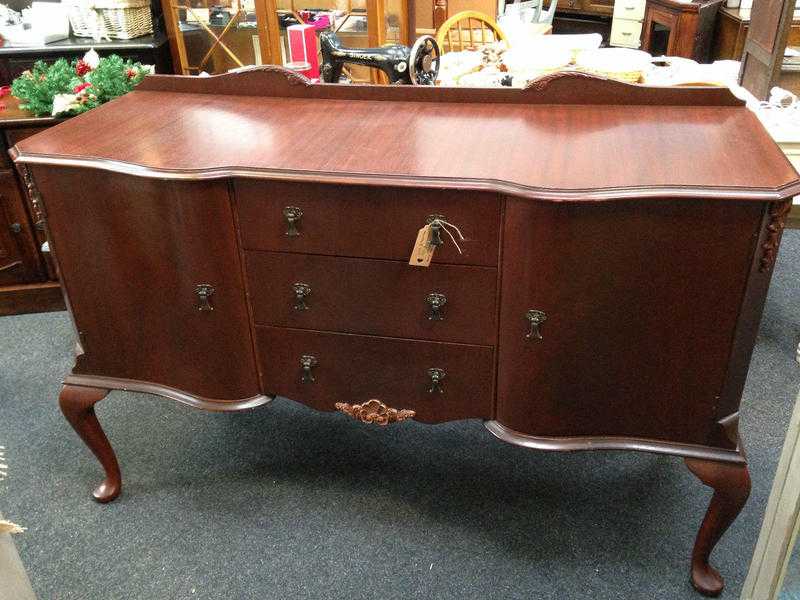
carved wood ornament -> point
(35, 197)
(375, 411)
(777, 220)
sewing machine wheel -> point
(423, 61)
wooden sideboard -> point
(28, 281)
(235, 254)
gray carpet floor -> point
(286, 503)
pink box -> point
(303, 47)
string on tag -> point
(444, 225)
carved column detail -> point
(36, 198)
(777, 220)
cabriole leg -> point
(731, 484)
(77, 404)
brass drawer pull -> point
(307, 362)
(375, 411)
(536, 318)
(436, 302)
(204, 292)
(436, 229)
(437, 375)
(301, 292)
(292, 215)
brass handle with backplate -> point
(204, 292)
(292, 216)
(535, 319)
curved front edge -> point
(145, 387)
(574, 444)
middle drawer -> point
(376, 297)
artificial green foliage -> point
(37, 87)
(112, 77)
(115, 77)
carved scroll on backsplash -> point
(777, 221)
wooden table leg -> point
(77, 404)
(731, 484)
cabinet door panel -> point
(19, 261)
(132, 252)
(641, 300)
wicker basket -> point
(114, 19)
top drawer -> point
(366, 221)
(629, 9)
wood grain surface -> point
(556, 152)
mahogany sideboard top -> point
(601, 257)
(633, 142)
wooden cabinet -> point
(593, 303)
(150, 251)
(621, 310)
(149, 50)
(27, 274)
(19, 261)
(675, 28)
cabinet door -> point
(641, 301)
(19, 260)
(132, 253)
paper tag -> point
(423, 250)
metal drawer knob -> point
(535, 318)
(204, 292)
(436, 229)
(307, 362)
(301, 292)
(437, 375)
(436, 302)
(292, 216)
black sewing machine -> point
(417, 65)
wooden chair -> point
(468, 30)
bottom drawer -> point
(626, 33)
(356, 368)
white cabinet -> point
(626, 28)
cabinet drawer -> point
(632, 10)
(366, 221)
(626, 33)
(377, 297)
(355, 369)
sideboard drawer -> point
(377, 297)
(366, 221)
(356, 368)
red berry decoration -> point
(79, 88)
(82, 68)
